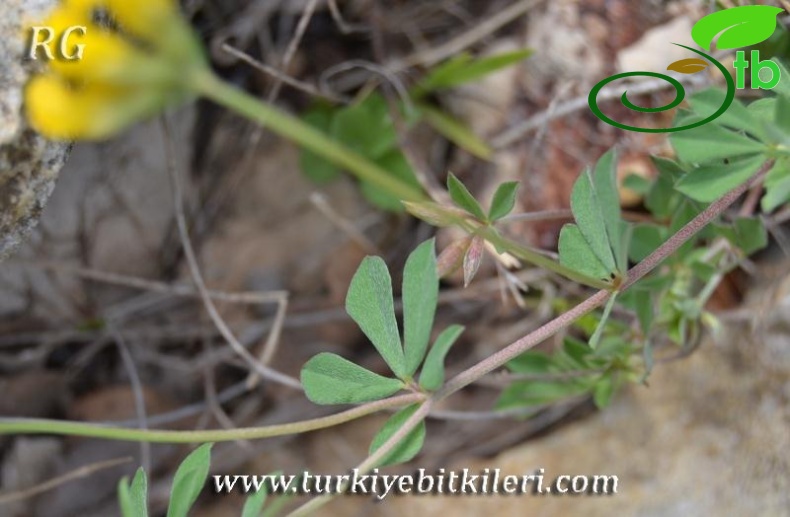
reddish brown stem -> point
(517, 348)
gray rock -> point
(29, 164)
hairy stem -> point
(440, 215)
(60, 427)
(371, 461)
(534, 257)
(499, 359)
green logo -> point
(739, 27)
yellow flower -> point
(137, 57)
(91, 112)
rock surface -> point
(29, 164)
(111, 212)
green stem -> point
(291, 128)
(442, 216)
(61, 427)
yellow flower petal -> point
(122, 75)
(93, 112)
(111, 56)
(84, 5)
(106, 57)
(66, 16)
(145, 18)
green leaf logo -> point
(741, 26)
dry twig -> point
(53, 483)
(262, 370)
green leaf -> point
(708, 101)
(763, 109)
(777, 195)
(134, 500)
(684, 117)
(432, 374)
(776, 137)
(626, 234)
(124, 500)
(189, 481)
(531, 363)
(639, 184)
(708, 183)
(640, 300)
(596, 208)
(315, 167)
(783, 88)
(645, 240)
(420, 295)
(742, 26)
(576, 254)
(409, 447)
(531, 393)
(463, 198)
(663, 199)
(669, 169)
(782, 117)
(605, 183)
(504, 200)
(596, 337)
(366, 127)
(612, 346)
(369, 303)
(456, 132)
(713, 142)
(398, 166)
(253, 506)
(750, 234)
(576, 351)
(644, 310)
(704, 270)
(587, 325)
(777, 185)
(330, 379)
(464, 69)
(603, 392)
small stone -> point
(29, 164)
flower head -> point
(137, 57)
